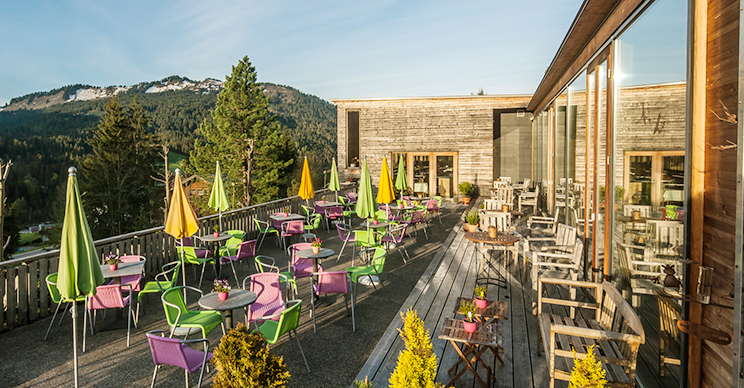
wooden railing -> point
(23, 289)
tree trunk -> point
(247, 163)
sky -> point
(331, 49)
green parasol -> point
(366, 207)
(79, 272)
(401, 181)
(218, 198)
(333, 185)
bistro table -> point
(329, 204)
(210, 238)
(122, 269)
(308, 254)
(481, 238)
(486, 337)
(494, 310)
(235, 299)
(279, 220)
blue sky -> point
(332, 49)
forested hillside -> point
(46, 132)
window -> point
(352, 142)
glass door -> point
(445, 175)
(421, 175)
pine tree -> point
(254, 152)
(417, 364)
(119, 195)
(587, 373)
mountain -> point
(43, 133)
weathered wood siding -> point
(449, 124)
(716, 361)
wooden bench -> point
(614, 330)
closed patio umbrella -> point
(218, 198)
(306, 184)
(365, 205)
(334, 185)
(181, 221)
(401, 181)
(79, 272)
(385, 192)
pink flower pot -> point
(113, 267)
(216, 234)
(374, 222)
(481, 303)
(222, 295)
(470, 327)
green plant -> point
(417, 364)
(467, 307)
(362, 384)
(216, 228)
(111, 259)
(316, 242)
(243, 360)
(619, 194)
(587, 373)
(480, 292)
(472, 217)
(482, 206)
(465, 189)
(601, 193)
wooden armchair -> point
(614, 329)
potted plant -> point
(467, 308)
(471, 221)
(466, 189)
(112, 261)
(216, 230)
(587, 373)
(354, 162)
(316, 243)
(222, 288)
(619, 196)
(480, 297)
(417, 363)
(242, 359)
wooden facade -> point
(469, 127)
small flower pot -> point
(113, 267)
(216, 234)
(470, 327)
(222, 295)
(316, 250)
(493, 232)
(466, 200)
(504, 208)
(374, 222)
(481, 303)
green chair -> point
(190, 257)
(178, 315)
(314, 223)
(348, 210)
(162, 282)
(263, 265)
(51, 281)
(376, 259)
(288, 322)
(264, 228)
(231, 244)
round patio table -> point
(216, 248)
(481, 238)
(235, 299)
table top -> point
(380, 224)
(211, 238)
(630, 219)
(495, 309)
(398, 207)
(289, 217)
(235, 299)
(123, 269)
(308, 253)
(329, 204)
(487, 333)
(502, 238)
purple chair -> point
(417, 217)
(352, 197)
(336, 282)
(268, 289)
(333, 213)
(291, 228)
(396, 236)
(133, 280)
(432, 207)
(200, 252)
(246, 250)
(300, 268)
(278, 223)
(346, 234)
(173, 351)
(109, 297)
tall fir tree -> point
(119, 195)
(254, 151)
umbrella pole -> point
(183, 269)
(220, 221)
(74, 341)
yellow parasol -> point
(385, 192)
(181, 221)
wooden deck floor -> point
(451, 274)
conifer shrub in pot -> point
(466, 190)
(242, 360)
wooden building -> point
(444, 140)
(643, 97)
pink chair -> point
(432, 207)
(352, 197)
(246, 249)
(291, 228)
(277, 223)
(300, 268)
(336, 282)
(133, 280)
(200, 252)
(173, 351)
(333, 213)
(417, 217)
(396, 235)
(268, 288)
(109, 297)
